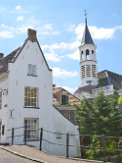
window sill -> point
(31, 107)
(32, 75)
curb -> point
(23, 156)
(42, 161)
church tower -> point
(88, 63)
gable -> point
(58, 92)
(12, 57)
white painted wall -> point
(49, 118)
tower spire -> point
(86, 39)
(85, 14)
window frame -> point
(31, 97)
(32, 70)
(32, 129)
(64, 101)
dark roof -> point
(87, 39)
(105, 78)
(9, 58)
(110, 78)
(13, 56)
(87, 88)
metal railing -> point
(41, 138)
(97, 147)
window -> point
(32, 126)
(94, 70)
(88, 71)
(32, 70)
(92, 51)
(31, 97)
(82, 71)
(1, 100)
(87, 53)
(64, 99)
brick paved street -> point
(7, 157)
(39, 155)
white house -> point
(26, 100)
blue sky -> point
(60, 25)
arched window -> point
(82, 55)
(87, 53)
(92, 51)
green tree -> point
(99, 116)
(120, 100)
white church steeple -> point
(88, 63)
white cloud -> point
(102, 33)
(6, 34)
(52, 57)
(47, 29)
(61, 46)
(31, 23)
(61, 73)
(6, 31)
(23, 29)
(70, 27)
(97, 33)
(20, 18)
(75, 55)
(18, 7)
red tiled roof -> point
(58, 91)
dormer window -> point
(32, 70)
(64, 99)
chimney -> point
(1, 56)
(32, 35)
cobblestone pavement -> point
(7, 157)
(42, 157)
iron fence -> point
(97, 147)
(41, 138)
